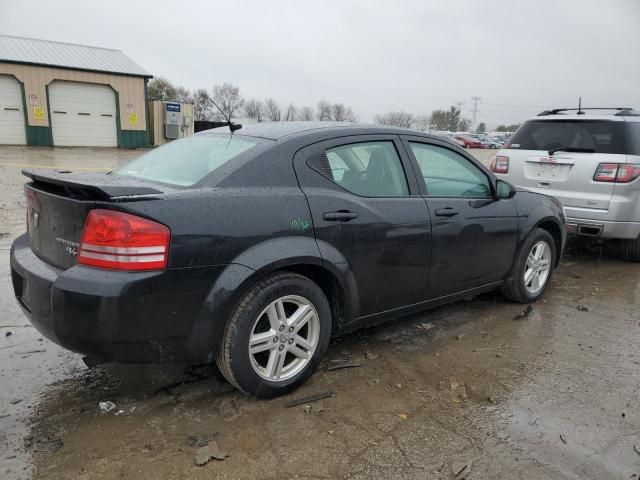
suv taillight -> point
(616, 172)
(499, 164)
(120, 241)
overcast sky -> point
(416, 55)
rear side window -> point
(370, 169)
(186, 161)
(633, 138)
(601, 136)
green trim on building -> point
(39, 136)
(147, 112)
(130, 138)
(133, 138)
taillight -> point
(120, 241)
(616, 172)
(499, 164)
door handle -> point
(339, 216)
(446, 212)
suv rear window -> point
(186, 161)
(601, 136)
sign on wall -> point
(133, 119)
(38, 112)
(33, 99)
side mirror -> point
(504, 189)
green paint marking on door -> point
(300, 225)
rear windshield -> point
(601, 136)
(186, 161)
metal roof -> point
(67, 55)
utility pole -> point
(475, 110)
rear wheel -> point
(631, 250)
(277, 336)
(532, 269)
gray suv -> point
(589, 159)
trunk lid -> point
(566, 176)
(58, 204)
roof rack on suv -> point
(622, 111)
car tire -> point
(520, 286)
(631, 250)
(262, 350)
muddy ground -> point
(552, 395)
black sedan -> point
(252, 249)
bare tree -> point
(183, 95)
(160, 88)
(349, 116)
(323, 111)
(254, 109)
(272, 110)
(290, 113)
(202, 105)
(306, 114)
(339, 112)
(395, 119)
(421, 123)
(227, 99)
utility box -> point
(170, 121)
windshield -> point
(186, 161)
(599, 136)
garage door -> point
(12, 126)
(83, 115)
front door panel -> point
(474, 247)
(473, 233)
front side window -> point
(370, 169)
(448, 174)
(186, 161)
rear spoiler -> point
(90, 185)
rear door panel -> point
(387, 246)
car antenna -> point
(232, 126)
(580, 112)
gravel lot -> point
(553, 395)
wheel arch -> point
(292, 254)
(554, 229)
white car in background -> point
(589, 159)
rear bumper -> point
(603, 229)
(116, 316)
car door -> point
(473, 232)
(366, 205)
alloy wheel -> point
(284, 338)
(536, 272)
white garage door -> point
(82, 115)
(12, 126)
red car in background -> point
(469, 142)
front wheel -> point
(533, 268)
(276, 336)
